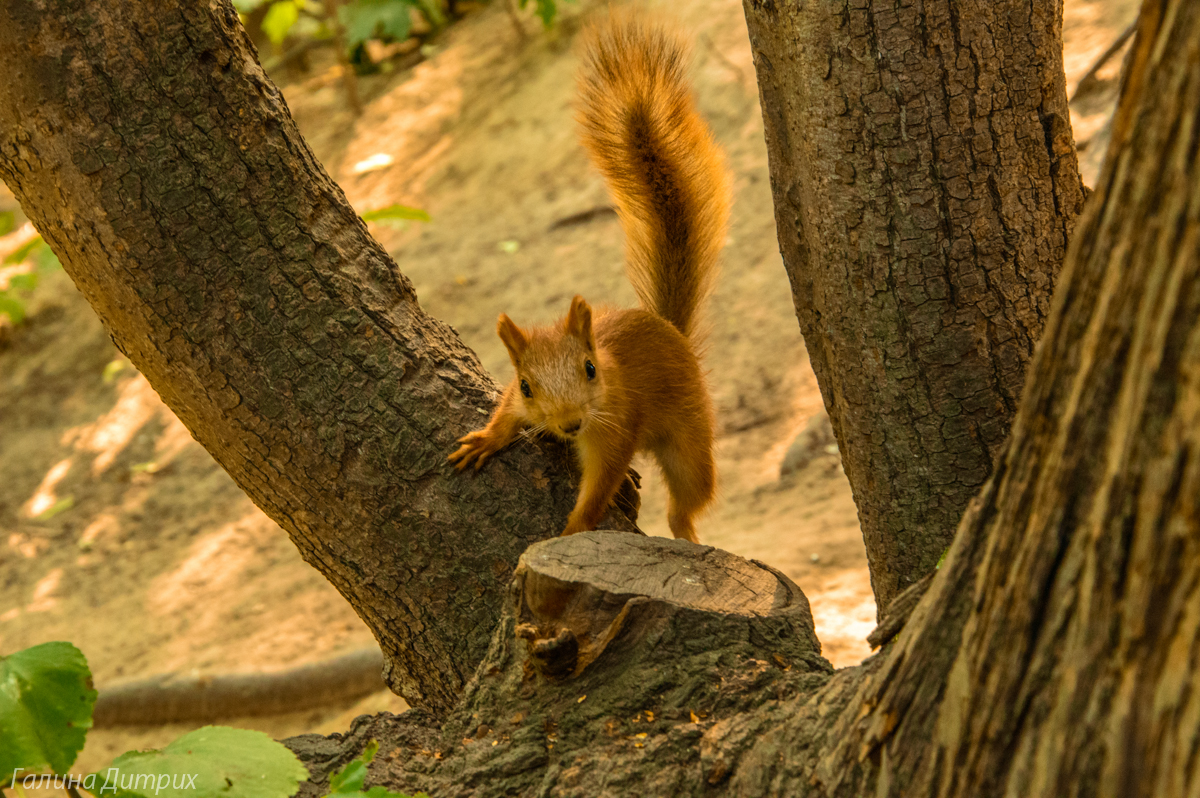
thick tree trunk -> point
(1061, 642)
(1057, 649)
(925, 184)
(163, 168)
(1053, 654)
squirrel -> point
(611, 381)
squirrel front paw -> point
(476, 447)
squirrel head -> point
(558, 372)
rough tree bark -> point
(925, 184)
(1057, 649)
(1053, 654)
(163, 168)
(1071, 671)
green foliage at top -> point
(46, 701)
(361, 19)
(348, 782)
(232, 763)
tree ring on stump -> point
(577, 597)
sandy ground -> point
(120, 534)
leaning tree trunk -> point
(1053, 654)
(149, 148)
(1057, 650)
(925, 184)
(1074, 671)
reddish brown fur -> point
(647, 392)
(640, 125)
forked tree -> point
(925, 189)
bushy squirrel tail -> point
(667, 175)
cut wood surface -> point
(577, 595)
(675, 571)
(677, 644)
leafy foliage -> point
(348, 782)
(375, 19)
(46, 701)
(237, 763)
(361, 19)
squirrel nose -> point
(572, 428)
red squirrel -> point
(614, 382)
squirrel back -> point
(640, 126)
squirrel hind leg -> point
(691, 479)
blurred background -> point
(449, 126)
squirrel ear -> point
(513, 337)
(579, 320)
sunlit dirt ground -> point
(120, 534)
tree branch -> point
(925, 184)
(162, 166)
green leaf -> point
(351, 777)
(45, 258)
(281, 16)
(547, 9)
(21, 253)
(37, 250)
(13, 308)
(23, 282)
(60, 506)
(213, 761)
(371, 19)
(46, 701)
(348, 782)
(114, 368)
(246, 6)
(8, 220)
(432, 12)
(395, 213)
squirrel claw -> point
(476, 448)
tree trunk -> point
(1075, 670)
(925, 184)
(1053, 654)
(163, 168)
(1057, 648)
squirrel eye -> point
(590, 369)
(525, 390)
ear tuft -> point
(514, 338)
